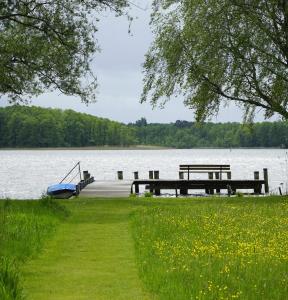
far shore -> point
(134, 147)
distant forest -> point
(22, 126)
(183, 134)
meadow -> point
(214, 249)
(144, 248)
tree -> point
(218, 51)
(49, 45)
(141, 122)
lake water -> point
(26, 174)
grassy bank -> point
(144, 249)
(24, 226)
(214, 248)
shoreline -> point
(135, 147)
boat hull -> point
(62, 191)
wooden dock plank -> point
(108, 188)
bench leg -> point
(157, 192)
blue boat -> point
(65, 190)
(62, 190)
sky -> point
(119, 72)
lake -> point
(26, 174)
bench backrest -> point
(210, 169)
(206, 168)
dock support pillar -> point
(229, 190)
(210, 177)
(77, 190)
(257, 189)
(136, 188)
(217, 177)
(266, 185)
(151, 176)
(183, 191)
(156, 176)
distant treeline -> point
(183, 134)
(22, 126)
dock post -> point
(120, 175)
(229, 190)
(77, 190)
(210, 177)
(183, 191)
(136, 188)
(136, 175)
(266, 185)
(86, 175)
(257, 190)
(156, 176)
(217, 177)
(151, 176)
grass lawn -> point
(90, 257)
(212, 248)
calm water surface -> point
(25, 174)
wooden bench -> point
(218, 170)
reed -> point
(214, 249)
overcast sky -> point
(119, 71)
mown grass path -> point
(90, 257)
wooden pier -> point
(209, 186)
(214, 184)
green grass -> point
(24, 226)
(90, 257)
(214, 248)
(144, 249)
